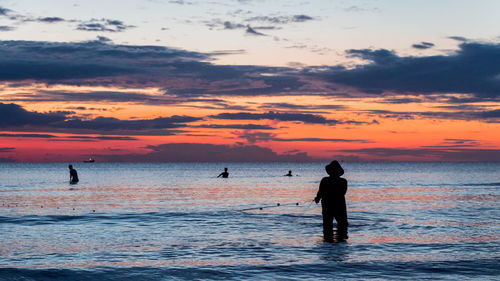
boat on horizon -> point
(91, 160)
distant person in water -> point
(331, 193)
(73, 175)
(289, 174)
(224, 174)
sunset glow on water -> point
(180, 221)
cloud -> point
(51, 19)
(180, 2)
(66, 138)
(458, 38)
(6, 28)
(284, 105)
(271, 115)
(121, 138)
(460, 113)
(320, 140)
(230, 25)
(235, 126)
(423, 45)
(4, 11)
(427, 154)
(473, 69)
(103, 25)
(202, 152)
(43, 136)
(357, 9)
(252, 31)
(306, 118)
(6, 149)
(281, 19)
(94, 59)
(179, 72)
(255, 136)
(14, 117)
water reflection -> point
(142, 221)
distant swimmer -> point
(224, 174)
(289, 174)
(73, 175)
(331, 192)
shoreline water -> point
(157, 221)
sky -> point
(249, 80)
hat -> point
(334, 169)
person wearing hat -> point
(331, 193)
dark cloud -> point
(301, 18)
(66, 138)
(253, 137)
(300, 117)
(473, 69)
(94, 59)
(423, 45)
(284, 105)
(125, 138)
(320, 140)
(454, 143)
(236, 126)
(99, 96)
(179, 72)
(306, 118)
(4, 11)
(281, 19)
(201, 152)
(6, 149)
(458, 38)
(12, 116)
(393, 100)
(252, 31)
(428, 154)
(43, 136)
(256, 136)
(230, 25)
(51, 19)
(492, 116)
(227, 52)
(6, 28)
(103, 25)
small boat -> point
(89, 161)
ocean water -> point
(177, 221)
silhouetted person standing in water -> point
(224, 174)
(289, 174)
(331, 193)
(73, 175)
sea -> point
(178, 221)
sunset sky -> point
(249, 80)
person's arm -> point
(320, 192)
(219, 175)
(344, 186)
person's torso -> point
(74, 174)
(333, 190)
